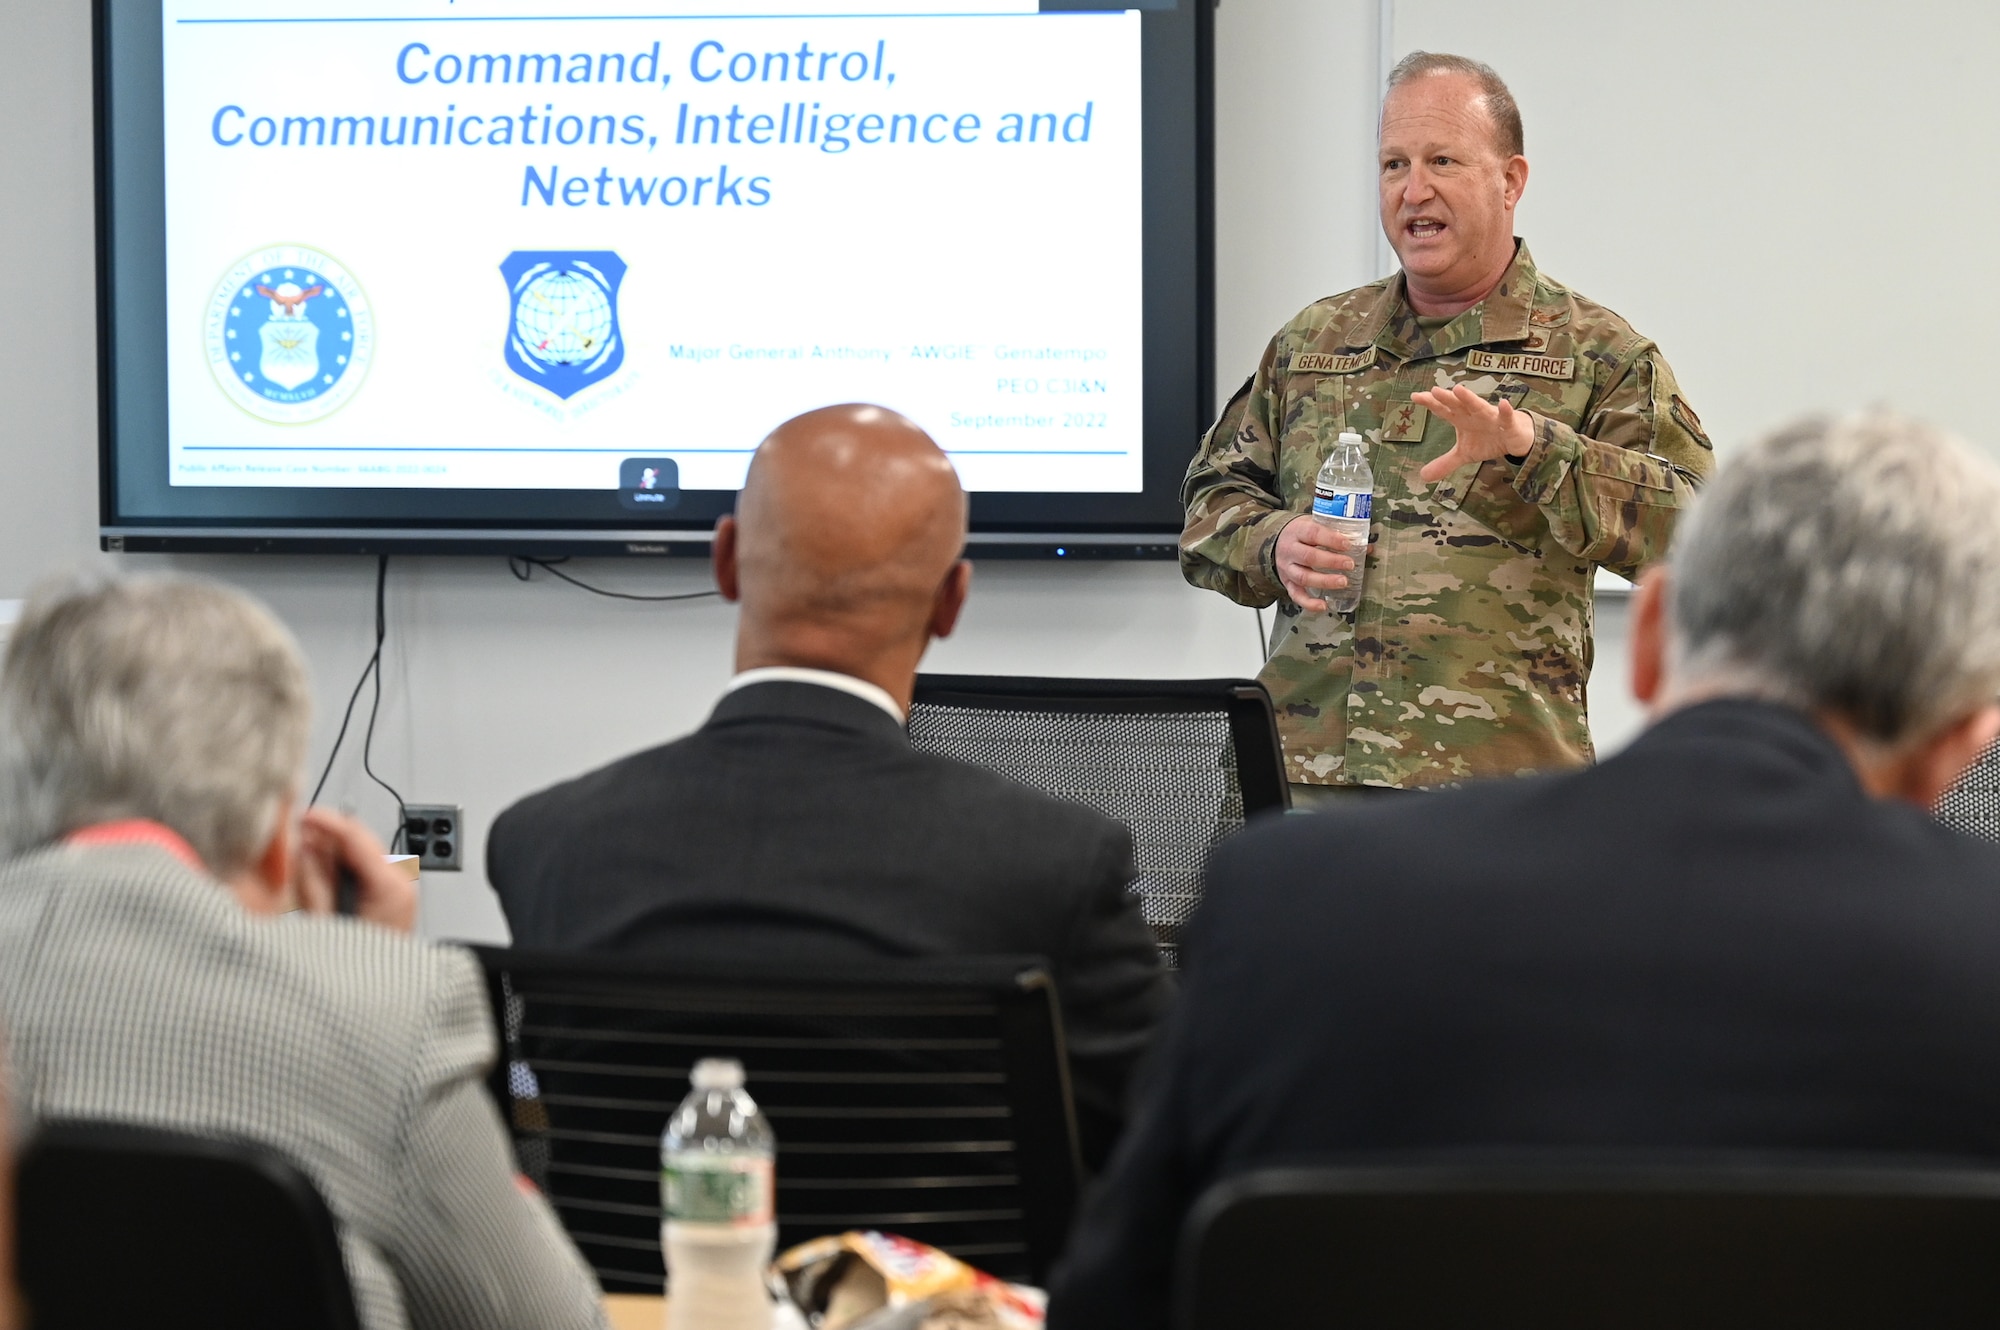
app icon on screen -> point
(649, 484)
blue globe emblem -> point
(289, 335)
(563, 319)
(563, 332)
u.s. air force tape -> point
(1319, 362)
(1540, 367)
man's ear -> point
(1649, 634)
(1936, 766)
(264, 886)
(723, 557)
(957, 585)
(1515, 176)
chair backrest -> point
(1182, 762)
(126, 1226)
(1711, 1244)
(927, 1098)
(1973, 804)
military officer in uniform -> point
(1520, 435)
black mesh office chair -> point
(1973, 805)
(1182, 762)
(133, 1226)
(1826, 1245)
(924, 1098)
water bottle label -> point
(717, 1189)
(1343, 503)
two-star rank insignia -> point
(1405, 423)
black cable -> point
(523, 567)
(353, 697)
(375, 707)
(372, 669)
(1263, 641)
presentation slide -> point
(523, 244)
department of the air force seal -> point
(289, 335)
(562, 329)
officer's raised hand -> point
(1486, 430)
(1312, 560)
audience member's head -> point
(182, 702)
(163, 698)
(844, 549)
(1849, 568)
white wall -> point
(1795, 198)
(495, 688)
(1295, 96)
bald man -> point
(798, 825)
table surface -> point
(635, 1311)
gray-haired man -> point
(1745, 930)
(152, 733)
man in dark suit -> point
(798, 825)
(1745, 930)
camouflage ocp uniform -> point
(1469, 653)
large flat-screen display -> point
(521, 275)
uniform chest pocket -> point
(1491, 510)
(1564, 403)
(1311, 426)
(1495, 512)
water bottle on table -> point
(717, 1227)
(1344, 499)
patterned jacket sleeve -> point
(473, 1249)
(1234, 510)
(1612, 493)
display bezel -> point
(139, 510)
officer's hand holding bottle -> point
(1313, 560)
(1329, 547)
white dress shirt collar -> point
(846, 683)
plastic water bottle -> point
(717, 1225)
(1344, 499)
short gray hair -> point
(170, 698)
(1500, 103)
(1846, 565)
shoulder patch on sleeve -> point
(1685, 417)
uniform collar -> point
(1501, 317)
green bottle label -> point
(717, 1189)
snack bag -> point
(878, 1281)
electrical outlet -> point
(434, 832)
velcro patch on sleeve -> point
(1514, 362)
(1685, 417)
